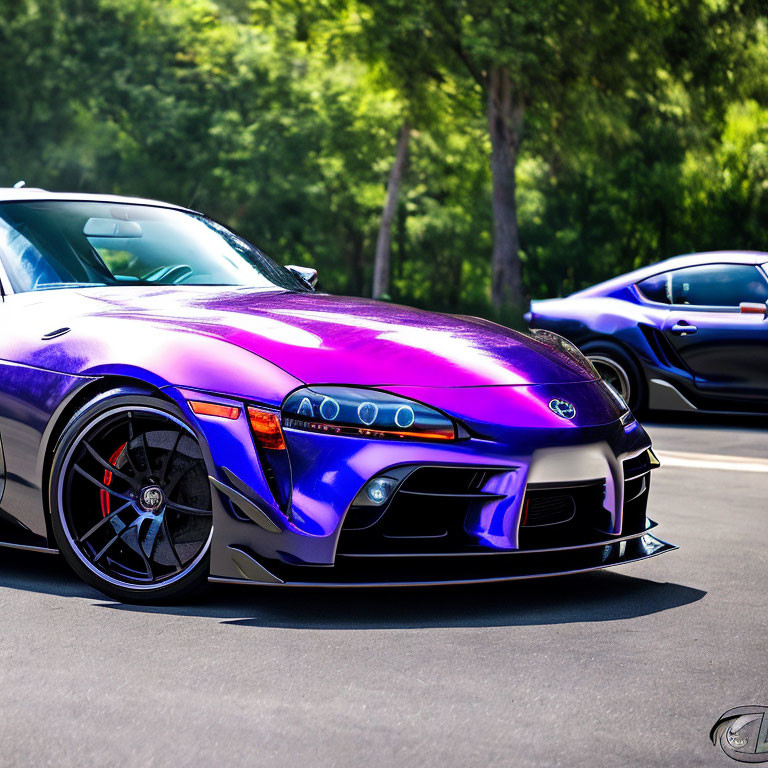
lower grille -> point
(433, 509)
(427, 513)
(546, 509)
(555, 516)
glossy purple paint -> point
(238, 345)
(259, 346)
(310, 337)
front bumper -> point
(305, 539)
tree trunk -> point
(505, 123)
(355, 251)
(382, 262)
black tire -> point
(620, 370)
(135, 451)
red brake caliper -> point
(108, 480)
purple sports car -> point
(175, 407)
(686, 334)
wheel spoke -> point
(103, 551)
(169, 458)
(109, 467)
(147, 564)
(145, 448)
(99, 484)
(170, 486)
(188, 510)
(131, 538)
(131, 463)
(103, 521)
(167, 534)
(149, 541)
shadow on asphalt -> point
(589, 597)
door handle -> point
(681, 328)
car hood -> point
(319, 338)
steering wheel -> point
(168, 275)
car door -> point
(724, 347)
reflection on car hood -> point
(319, 338)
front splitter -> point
(443, 571)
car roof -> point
(29, 194)
(676, 262)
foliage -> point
(647, 133)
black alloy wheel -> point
(131, 503)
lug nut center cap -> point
(151, 498)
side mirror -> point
(307, 274)
(753, 308)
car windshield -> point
(60, 244)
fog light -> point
(380, 489)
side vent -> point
(661, 347)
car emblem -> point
(562, 408)
(151, 498)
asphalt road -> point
(624, 667)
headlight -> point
(565, 347)
(364, 413)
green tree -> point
(617, 133)
(526, 61)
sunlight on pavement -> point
(712, 461)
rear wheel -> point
(619, 370)
(130, 499)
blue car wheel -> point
(618, 369)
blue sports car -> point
(686, 334)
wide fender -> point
(161, 355)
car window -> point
(56, 244)
(708, 285)
(25, 264)
(656, 288)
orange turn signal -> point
(266, 428)
(214, 409)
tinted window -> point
(656, 288)
(54, 244)
(710, 285)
